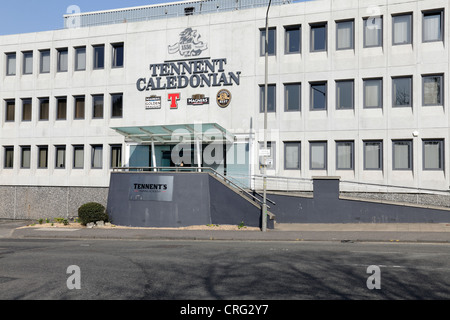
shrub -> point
(92, 212)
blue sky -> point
(25, 16)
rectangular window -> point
(116, 156)
(78, 157)
(344, 155)
(318, 96)
(402, 154)
(402, 92)
(318, 155)
(117, 105)
(10, 110)
(117, 55)
(61, 108)
(373, 93)
(11, 64)
(97, 106)
(292, 96)
(292, 41)
(292, 155)
(28, 62)
(96, 156)
(63, 59)
(344, 35)
(44, 63)
(42, 157)
(432, 90)
(373, 155)
(271, 98)
(318, 37)
(433, 26)
(79, 107)
(9, 157)
(25, 152)
(26, 109)
(373, 31)
(271, 45)
(344, 94)
(433, 154)
(99, 56)
(44, 109)
(60, 161)
(80, 59)
(401, 29)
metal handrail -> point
(193, 170)
(361, 184)
(163, 11)
(396, 186)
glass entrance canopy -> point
(173, 134)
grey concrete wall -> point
(35, 202)
(424, 199)
(219, 205)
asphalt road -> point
(39, 269)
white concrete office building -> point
(356, 89)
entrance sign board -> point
(151, 188)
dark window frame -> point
(271, 44)
(409, 143)
(312, 41)
(297, 144)
(352, 154)
(380, 154)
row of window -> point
(402, 155)
(62, 59)
(402, 33)
(61, 111)
(402, 92)
(60, 161)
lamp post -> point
(266, 57)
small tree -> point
(92, 212)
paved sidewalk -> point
(393, 232)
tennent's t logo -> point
(173, 98)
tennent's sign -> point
(202, 72)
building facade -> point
(356, 89)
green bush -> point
(92, 212)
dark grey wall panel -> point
(189, 205)
(196, 199)
(227, 207)
(326, 207)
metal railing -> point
(161, 11)
(279, 183)
(357, 186)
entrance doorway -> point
(231, 160)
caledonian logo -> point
(223, 98)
